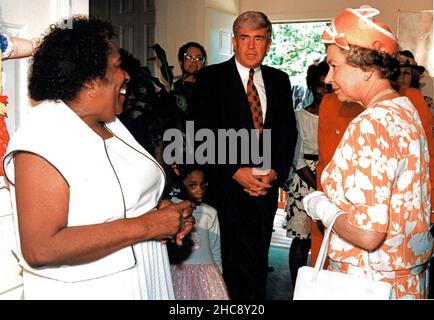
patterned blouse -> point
(379, 177)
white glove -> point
(319, 207)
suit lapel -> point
(266, 76)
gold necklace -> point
(380, 94)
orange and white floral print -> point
(379, 177)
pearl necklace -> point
(380, 94)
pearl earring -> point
(366, 78)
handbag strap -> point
(322, 255)
(319, 264)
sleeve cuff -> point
(7, 45)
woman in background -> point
(304, 180)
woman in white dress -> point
(85, 193)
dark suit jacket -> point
(220, 101)
(246, 222)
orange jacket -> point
(334, 117)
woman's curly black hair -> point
(365, 59)
(70, 57)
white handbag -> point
(318, 284)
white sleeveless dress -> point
(150, 278)
(142, 187)
(108, 180)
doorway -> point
(133, 22)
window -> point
(295, 46)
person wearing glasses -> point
(242, 94)
(191, 58)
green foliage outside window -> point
(295, 46)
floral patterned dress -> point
(307, 144)
(379, 177)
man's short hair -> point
(252, 20)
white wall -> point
(26, 19)
(219, 31)
(228, 6)
(179, 22)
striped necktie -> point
(255, 103)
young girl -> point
(199, 276)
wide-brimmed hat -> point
(357, 27)
(406, 60)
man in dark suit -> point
(245, 198)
